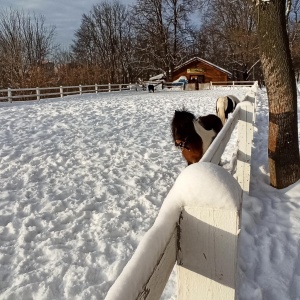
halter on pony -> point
(182, 145)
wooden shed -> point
(198, 70)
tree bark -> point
(283, 146)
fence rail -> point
(201, 239)
(10, 95)
(38, 93)
(162, 84)
(232, 84)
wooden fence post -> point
(80, 89)
(198, 230)
(96, 88)
(109, 87)
(61, 91)
(207, 255)
(9, 95)
(38, 94)
(245, 137)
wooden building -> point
(198, 70)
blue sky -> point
(65, 15)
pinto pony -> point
(226, 105)
(193, 136)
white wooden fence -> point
(199, 237)
(161, 84)
(37, 93)
(231, 84)
(10, 95)
(215, 84)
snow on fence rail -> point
(198, 225)
(37, 93)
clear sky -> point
(65, 15)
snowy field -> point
(83, 179)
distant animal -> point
(194, 135)
(226, 105)
(151, 88)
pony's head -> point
(182, 124)
(185, 137)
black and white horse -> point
(226, 105)
(194, 135)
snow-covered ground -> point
(83, 179)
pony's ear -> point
(180, 110)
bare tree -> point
(283, 149)
(162, 33)
(25, 42)
(228, 37)
(104, 38)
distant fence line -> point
(38, 93)
(231, 84)
(10, 95)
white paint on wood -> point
(61, 91)
(245, 137)
(204, 86)
(207, 254)
(244, 115)
(216, 149)
(217, 84)
(161, 273)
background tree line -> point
(119, 44)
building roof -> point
(203, 61)
(158, 77)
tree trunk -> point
(283, 147)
